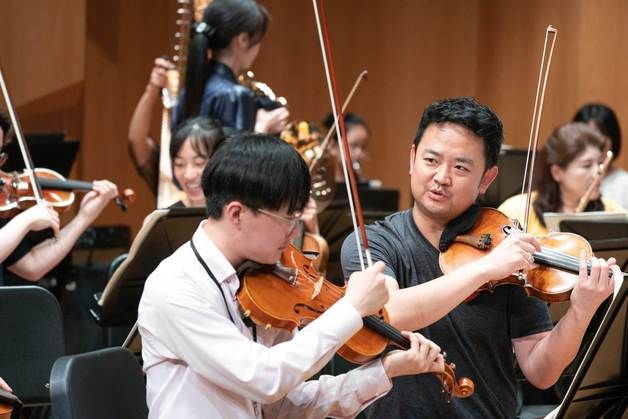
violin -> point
(16, 191)
(305, 295)
(558, 261)
(5, 411)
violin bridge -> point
(317, 287)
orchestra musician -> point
(453, 160)
(570, 161)
(32, 259)
(223, 46)
(202, 360)
(615, 182)
(358, 136)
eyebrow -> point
(458, 159)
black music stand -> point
(164, 230)
(511, 165)
(600, 387)
(46, 150)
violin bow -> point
(339, 123)
(550, 32)
(325, 143)
(28, 162)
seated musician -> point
(358, 135)
(202, 360)
(31, 260)
(570, 161)
(453, 160)
(615, 182)
(190, 148)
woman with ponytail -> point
(222, 46)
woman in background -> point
(602, 117)
(572, 155)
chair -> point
(32, 339)
(107, 383)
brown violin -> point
(16, 191)
(558, 261)
(293, 293)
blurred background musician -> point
(570, 159)
(222, 46)
(615, 183)
(33, 257)
(358, 136)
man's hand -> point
(592, 289)
(513, 254)
(367, 290)
(423, 356)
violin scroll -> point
(461, 388)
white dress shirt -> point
(199, 364)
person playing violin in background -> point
(615, 182)
(452, 160)
(358, 135)
(32, 261)
(223, 46)
(571, 157)
(202, 360)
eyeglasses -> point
(291, 221)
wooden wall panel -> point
(415, 52)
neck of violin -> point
(559, 260)
(386, 330)
(64, 185)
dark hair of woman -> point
(222, 21)
(565, 144)
(204, 134)
(605, 120)
(260, 171)
(351, 120)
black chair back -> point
(103, 384)
(32, 340)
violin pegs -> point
(268, 326)
(247, 313)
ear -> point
(412, 157)
(242, 40)
(556, 172)
(487, 178)
(233, 212)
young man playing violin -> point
(30, 260)
(202, 360)
(453, 160)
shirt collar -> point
(213, 257)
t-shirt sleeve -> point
(380, 251)
(527, 315)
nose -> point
(442, 176)
(189, 173)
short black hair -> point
(605, 121)
(204, 134)
(261, 171)
(471, 114)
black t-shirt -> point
(476, 336)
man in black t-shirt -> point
(452, 161)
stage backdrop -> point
(81, 65)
